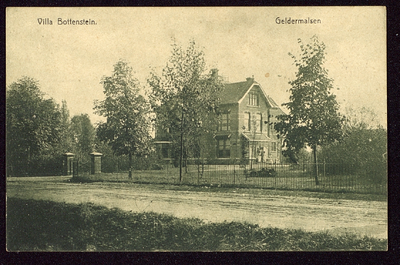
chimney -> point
(250, 79)
(214, 72)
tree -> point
(33, 125)
(66, 144)
(254, 128)
(83, 134)
(360, 118)
(313, 117)
(127, 113)
(185, 100)
(363, 148)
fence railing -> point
(331, 177)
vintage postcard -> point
(196, 128)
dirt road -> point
(310, 214)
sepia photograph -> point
(223, 129)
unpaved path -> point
(310, 214)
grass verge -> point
(50, 226)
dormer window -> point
(253, 99)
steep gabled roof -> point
(235, 92)
(277, 111)
(273, 103)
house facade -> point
(246, 125)
(245, 128)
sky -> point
(70, 60)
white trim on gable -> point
(263, 92)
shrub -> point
(46, 165)
(361, 152)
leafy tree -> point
(185, 100)
(109, 161)
(66, 144)
(313, 117)
(33, 126)
(83, 134)
(127, 113)
(252, 145)
(360, 118)
(363, 147)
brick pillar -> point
(95, 165)
(67, 163)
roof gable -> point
(236, 92)
(233, 92)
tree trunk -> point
(130, 165)
(117, 163)
(181, 158)
(181, 154)
(315, 164)
(186, 159)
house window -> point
(273, 147)
(253, 99)
(224, 148)
(258, 122)
(164, 150)
(247, 121)
(224, 123)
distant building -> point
(245, 129)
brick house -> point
(245, 129)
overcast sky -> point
(70, 60)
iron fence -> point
(330, 177)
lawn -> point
(50, 226)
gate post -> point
(95, 165)
(67, 163)
(75, 169)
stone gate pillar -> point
(95, 165)
(67, 163)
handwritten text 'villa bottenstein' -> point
(66, 22)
